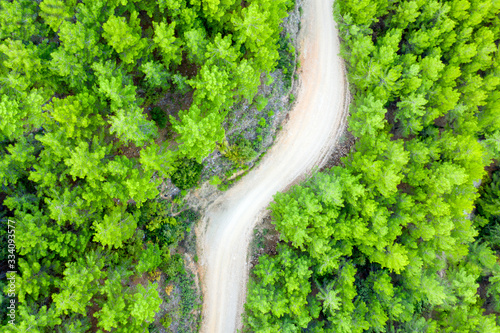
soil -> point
(342, 149)
(265, 240)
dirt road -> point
(305, 142)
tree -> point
(83, 162)
(74, 114)
(159, 159)
(215, 10)
(78, 286)
(157, 75)
(367, 117)
(116, 227)
(198, 134)
(149, 259)
(214, 89)
(397, 208)
(140, 132)
(411, 109)
(23, 63)
(168, 44)
(54, 12)
(113, 84)
(187, 174)
(125, 38)
(11, 125)
(363, 11)
(489, 203)
(257, 28)
(146, 302)
(407, 13)
(196, 44)
(17, 20)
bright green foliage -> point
(17, 19)
(125, 38)
(196, 44)
(54, 12)
(12, 116)
(194, 129)
(138, 132)
(387, 237)
(371, 109)
(241, 151)
(257, 27)
(167, 43)
(114, 85)
(114, 228)
(82, 163)
(150, 259)
(281, 293)
(154, 158)
(156, 73)
(131, 311)
(78, 286)
(410, 109)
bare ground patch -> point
(264, 241)
(342, 149)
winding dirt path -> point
(306, 140)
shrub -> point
(215, 180)
(270, 80)
(286, 59)
(187, 174)
(262, 122)
(242, 151)
(261, 102)
(159, 117)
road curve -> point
(306, 140)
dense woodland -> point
(78, 79)
(386, 242)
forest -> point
(403, 235)
(83, 149)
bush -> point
(166, 320)
(262, 122)
(187, 174)
(215, 180)
(286, 59)
(242, 150)
(159, 117)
